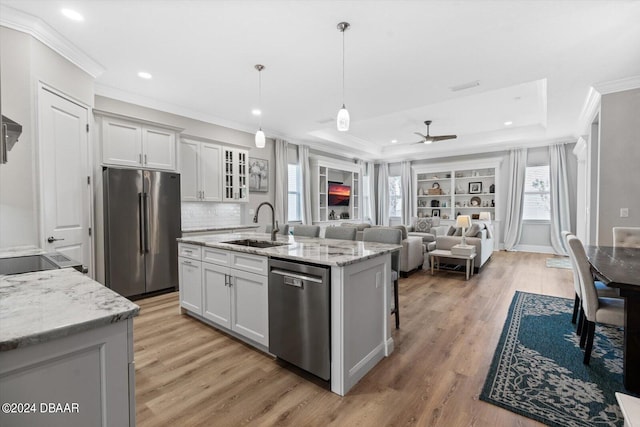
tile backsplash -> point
(203, 214)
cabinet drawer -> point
(250, 263)
(216, 256)
(189, 251)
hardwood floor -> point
(189, 374)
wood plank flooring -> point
(189, 374)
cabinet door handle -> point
(187, 262)
(145, 159)
(230, 280)
(140, 158)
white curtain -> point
(282, 181)
(305, 174)
(383, 194)
(559, 192)
(513, 220)
(407, 192)
(370, 208)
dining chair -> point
(306, 230)
(596, 309)
(283, 229)
(602, 289)
(391, 236)
(626, 237)
(341, 233)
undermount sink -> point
(255, 243)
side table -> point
(438, 253)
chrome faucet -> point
(274, 223)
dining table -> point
(619, 267)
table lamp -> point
(485, 216)
(463, 221)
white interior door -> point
(63, 152)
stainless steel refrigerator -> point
(142, 223)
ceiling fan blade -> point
(443, 137)
(419, 134)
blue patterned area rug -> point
(537, 369)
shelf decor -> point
(475, 187)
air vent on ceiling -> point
(464, 86)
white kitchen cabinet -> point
(200, 169)
(93, 372)
(137, 144)
(190, 279)
(235, 174)
(233, 290)
(249, 296)
(217, 294)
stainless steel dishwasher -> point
(299, 315)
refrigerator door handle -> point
(146, 222)
(142, 236)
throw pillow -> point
(451, 231)
(473, 230)
(423, 225)
(458, 231)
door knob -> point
(52, 239)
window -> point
(294, 193)
(537, 204)
(395, 196)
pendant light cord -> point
(343, 68)
(260, 95)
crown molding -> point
(619, 85)
(589, 110)
(41, 31)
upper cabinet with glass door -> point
(235, 172)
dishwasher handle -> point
(294, 276)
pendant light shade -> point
(343, 118)
(260, 138)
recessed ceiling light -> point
(144, 75)
(394, 141)
(72, 14)
(508, 123)
(256, 112)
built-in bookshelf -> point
(456, 189)
(326, 172)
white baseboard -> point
(535, 248)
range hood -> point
(10, 133)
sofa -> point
(412, 252)
(479, 235)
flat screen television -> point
(339, 194)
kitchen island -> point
(66, 351)
(360, 293)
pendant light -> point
(343, 115)
(260, 139)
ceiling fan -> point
(428, 139)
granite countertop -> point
(308, 249)
(218, 228)
(46, 305)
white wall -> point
(619, 163)
(24, 62)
